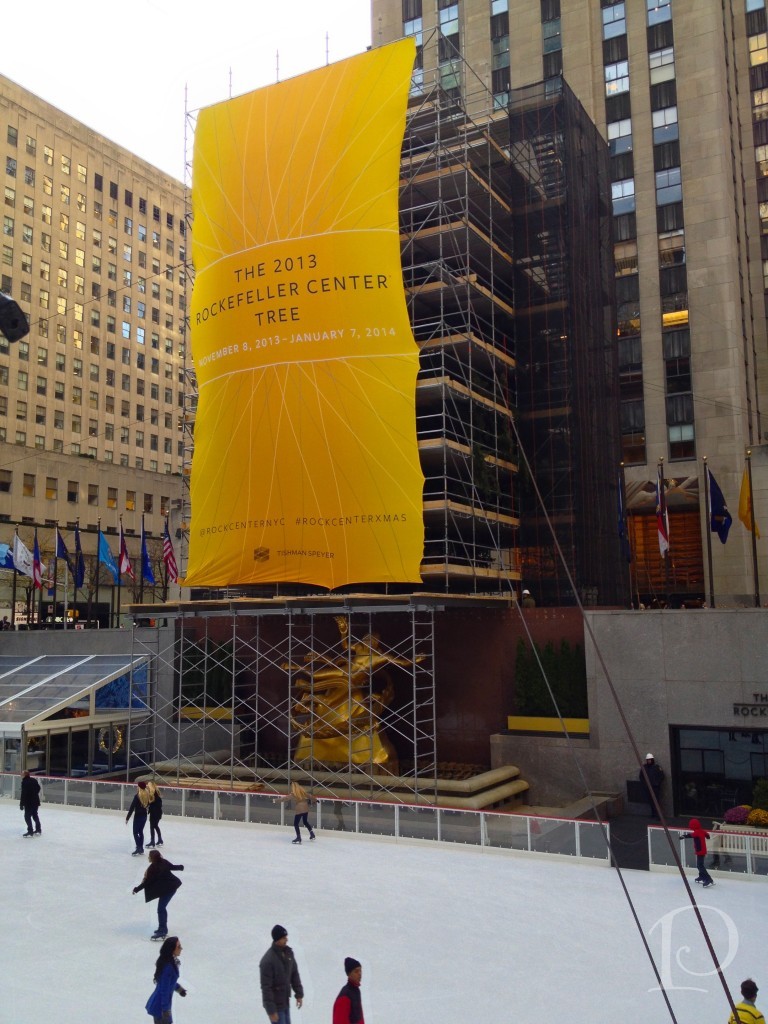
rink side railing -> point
(554, 837)
(727, 852)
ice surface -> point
(446, 935)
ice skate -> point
(137, 853)
(38, 831)
(150, 846)
(706, 885)
(296, 842)
(26, 835)
(158, 936)
(312, 836)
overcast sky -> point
(122, 69)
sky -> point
(123, 69)
(446, 934)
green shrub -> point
(760, 795)
(564, 667)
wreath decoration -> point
(113, 736)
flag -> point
(6, 556)
(37, 570)
(126, 569)
(662, 519)
(146, 566)
(746, 511)
(720, 518)
(169, 557)
(61, 552)
(105, 557)
(79, 574)
(623, 538)
(23, 561)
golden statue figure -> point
(337, 716)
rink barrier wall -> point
(729, 853)
(564, 838)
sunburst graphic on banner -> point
(306, 465)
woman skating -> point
(160, 884)
(166, 981)
(300, 800)
(155, 811)
(138, 810)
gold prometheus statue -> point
(338, 714)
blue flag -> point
(79, 574)
(146, 566)
(6, 557)
(61, 552)
(720, 518)
(106, 558)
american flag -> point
(169, 557)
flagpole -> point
(665, 517)
(77, 570)
(165, 565)
(141, 577)
(119, 573)
(55, 572)
(752, 530)
(708, 531)
(98, 565)
(13, 589)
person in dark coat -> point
(160, 884)
(699, 837)
(155, 812)
(279, 974)
(166, 981)
(348, 1008)
(138, 810)
(29, 803)
(651, 777)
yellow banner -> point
(305, 465)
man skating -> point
(279, 974)
(29, 803)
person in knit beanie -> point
(348, 1008)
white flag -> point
(22, 558)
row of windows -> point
(81, 171)
(91, 452)
(75, 493)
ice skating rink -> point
(446, 935)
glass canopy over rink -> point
(64, 714)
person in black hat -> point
(279, 974)
(348, 1008)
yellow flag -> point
(746, 512)
(306, 466)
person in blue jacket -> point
(166, 981)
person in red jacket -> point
(699, 837)
(348, 1008)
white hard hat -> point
(526, 592)
(649, 757)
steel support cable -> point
(674, 850)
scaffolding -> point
(337, 693)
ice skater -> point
(699, 837)
(166, 981)
(138, 810)
(348, 1008)
(160, 884)
(155, 811)
(299, 798)
(279, 974)
(29, 802)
